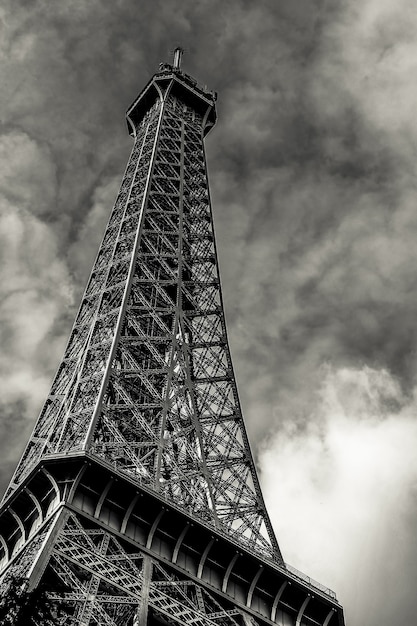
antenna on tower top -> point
(178, 52)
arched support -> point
(159, 90)
(203, 557)
(128, 513)
(129, 119)
(153, 529)
(228, 572)
(18, 522)
(131, 126)
(205, 119)
(301, 611)
(103, 497)
(76, 483)
(329, 617)
(179, 542)
(35, 502)
(52, 481)
(253, 585)
(5, 547)
(277, 599)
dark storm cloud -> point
(330, 214)
(313, 174)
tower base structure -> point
(110, 554)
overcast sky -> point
(313, 179)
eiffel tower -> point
(136, 501)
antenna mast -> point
(178, 52)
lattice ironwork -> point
(92, 579)
(146, 381)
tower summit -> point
(136, 501)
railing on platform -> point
(295, 572)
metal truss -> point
(146, 381)
(93, 579)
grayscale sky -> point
(313, 178)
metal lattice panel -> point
(100, 583)
(68, 411)
(22, 565)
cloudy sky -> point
(313, 177)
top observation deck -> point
(171, 80)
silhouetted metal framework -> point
(137, 500)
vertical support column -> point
(141, 618)
(93, 586)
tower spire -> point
(178, 52)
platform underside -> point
(112, 554)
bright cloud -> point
(340, 485)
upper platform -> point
(171, 80)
